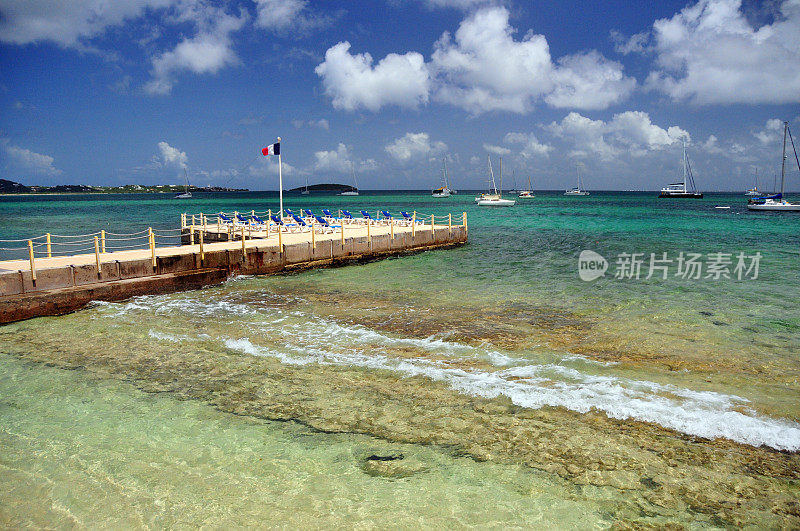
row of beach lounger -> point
(327, 222)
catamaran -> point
(352, 190)
(496, 198)
(680, 190)
(776, 202)
(186, 194)
(444, 191)
(577, 190)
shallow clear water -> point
(492, 365)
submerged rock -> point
(392, 466)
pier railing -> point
(53, 245)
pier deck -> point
(62, 284)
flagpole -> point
(280, 177)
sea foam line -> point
(704, 414)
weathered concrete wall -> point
(65, 289)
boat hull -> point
(576, 193)
(776, 207)
(680, 195)
(496, 202)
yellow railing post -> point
(433, 233)
(183, 220)
(193, 220)
(97, 255)
(464, 218)
(49, 248)
(413, 226)
(33, 265)
(202, 254)
(191, 235)
(153, 247)
(244, 246)
(342, 224)
(280, 239)
(369, 237)
(313, 238)
(449, 225)
(103, 241)
(391, 229)
(252, 213)
(219, 224)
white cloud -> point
(67, 22)
(772, 131)
(29, 160)
(172, 157)
(710, 54)
(464, 5)
(268, 167)
(353, 82)
(205, 53)
(497, 150)
(284, 15)
(337, 161)
(630, 131)
(531, 147)
(482, 68)
(588, 81)
(414, 146)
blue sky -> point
(107, 92)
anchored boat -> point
(776, 202)
(495, 198)
(680, 190)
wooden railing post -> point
(342, 224)
(313, 238)
(97, 255)
(369, 237)
(413, 226)
(244, 246)
(202, 254)
(49, 248)
(103, 241)
(280, 239)
(449, 225)
(191, 235)
(33, 265)
(433, 233)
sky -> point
(108, 92)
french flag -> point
(272, 149)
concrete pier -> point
(57, 285)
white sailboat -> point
(578, 190)
(495, 198)
(305, 190)
(753, 190)
(680, 190)
(186, 194)
(444, 191)
(352, 191)
(527, 194)
(776, 202)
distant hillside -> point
(329, 187)
(10, 187)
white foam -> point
(169, 337)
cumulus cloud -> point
(334, 160)
(414, 146)
(497, 150)
(67, 22)
(284, 15)
(28, 160)
(353, 82)
(531, 147)
(205, 53)
(464, 5)
(771, 132)
(480, 68)
(483, 68)
(631, 131)
(709, 53)
(172, 157)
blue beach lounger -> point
(291, 227)
(326, 224)
(225, 219)
(386, 216)
(408, 217)
(327, 213)
(348, 217)
(307, 212)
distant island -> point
(10, 187)
(331, 187)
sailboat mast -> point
(684, 166)
(491, 173)
(501, 178)
(783, 159)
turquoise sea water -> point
(493, 369)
